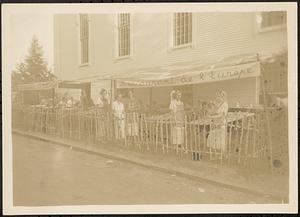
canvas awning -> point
(192, 72)
(38, 86)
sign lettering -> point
(234, 72)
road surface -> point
(51, 174)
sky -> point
(22, 29)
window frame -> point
(79, 41)
(117, 44)
(260, 29)
(172, 25)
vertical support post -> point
(257, 90)
(267, 115)
(112, 90)
(151, 98)
(53, 97)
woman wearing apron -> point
(119, 118)
(217, 135)
(177, 114)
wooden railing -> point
(240, 140)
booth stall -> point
(32, 93)
(92, 87)
(236, 75)
(242, 136)
(74, 88)
(239, 76)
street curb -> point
(154, 167)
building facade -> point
(90, 47)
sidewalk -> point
(258, 183)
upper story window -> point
(84, 38)
(182, 29)
(271, 20)
(124, 34)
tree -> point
(34, 68)
(17, 76)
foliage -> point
(33, 68)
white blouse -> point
(176, 105)
(118, 108)
(223, 109)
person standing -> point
(83, 100)
(103, 116)
(217, 134)
(62, 103)
(205, 109)
(119, 117)
(177, 113)
(132, 109)
(102, 101)
(132, 103)
(90, 103)
(70, 102)
(87, 123)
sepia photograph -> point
(140, 108)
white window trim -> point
(78, 42)
(171, 35)
(117, 57)
(182, 46)
(258, 28)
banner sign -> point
(233, 72)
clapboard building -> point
(94, 49)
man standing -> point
(83, 100)
(86, 101)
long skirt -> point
(217, 138)
(100, 133)
(119, 128)
(133, 129)
(178, 135)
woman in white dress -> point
(119, 117)
(177, 112)
(217, 134)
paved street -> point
(50, 174)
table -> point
(231, 117)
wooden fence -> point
(241, 140)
